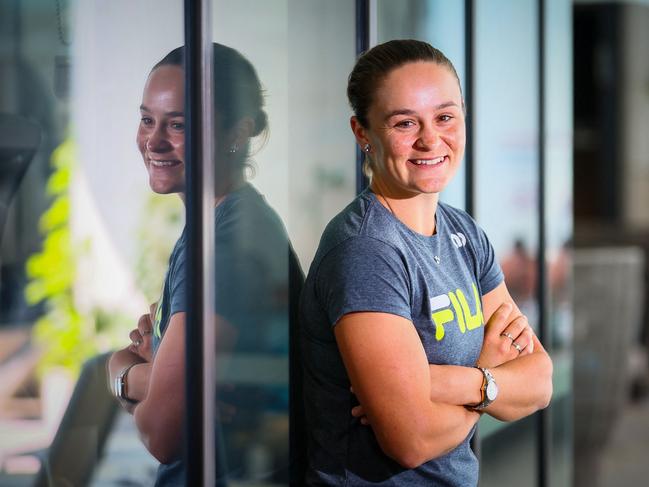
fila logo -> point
(454, 306)
(459, 240)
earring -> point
(367, 148)
(234, 149)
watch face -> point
(492, 391)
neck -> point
(221, 190)
(415, 210)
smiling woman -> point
(416, 141)
(250, 301)
(409, 332)
(161, 133)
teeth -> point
(162, 163)
(428, 162)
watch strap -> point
(120, 388)
(487, 378)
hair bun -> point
(261, 123)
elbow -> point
(163, 453)
(161, 440)
(408, 457)
(546, 377)
(413, 452)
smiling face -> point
(416, 130)
(161, 133)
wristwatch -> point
(489, 389)
(120, 388)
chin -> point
(160, 187)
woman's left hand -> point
(507, 336)
(141, 336)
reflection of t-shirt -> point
(251, 268)
(370, 261)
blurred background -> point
(556, 171)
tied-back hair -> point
(237, 90)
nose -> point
(428, 138)
(157, 140)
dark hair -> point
(374, 65)
(237, 89)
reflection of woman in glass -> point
(251, 259)
(406, 319)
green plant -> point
(68, 336)
(160, 224)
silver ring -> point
(137, 343)
(517, 347)
(508, 335)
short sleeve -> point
(363, 274)
(490, 275)
(178, 301)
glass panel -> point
(506, 151)
(558, 197)
(303, 165)
(441, 24)
(97, 257)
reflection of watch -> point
(120, 385)
(489, 389)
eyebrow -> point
(407, 111)
(169, 114)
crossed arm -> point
(416, 410)
(156, 387)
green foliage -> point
(68, 336)
(159, 227)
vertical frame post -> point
(199, 201)
(544, 428)
(469, 161)
(362, 45)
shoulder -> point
(364, 222)
(245, 218)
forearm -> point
(524, 386)
(430, 434)
(118, 362)
(455, 384)
(159, 424)
(138, 381)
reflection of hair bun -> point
(261, 123)
(237, 89)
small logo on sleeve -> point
(454, 307)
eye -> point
(404, 124)
(146, 121)
(445, 118)
(178, 125)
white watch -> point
(489, 389)
(119, 386)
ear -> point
(241, 132)
(359, 131)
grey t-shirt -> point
(251, 261)
(370, 261)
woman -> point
(252, 281)
(404, 298)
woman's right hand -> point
(503, 333)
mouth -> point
(164, 163)
(428, 162)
